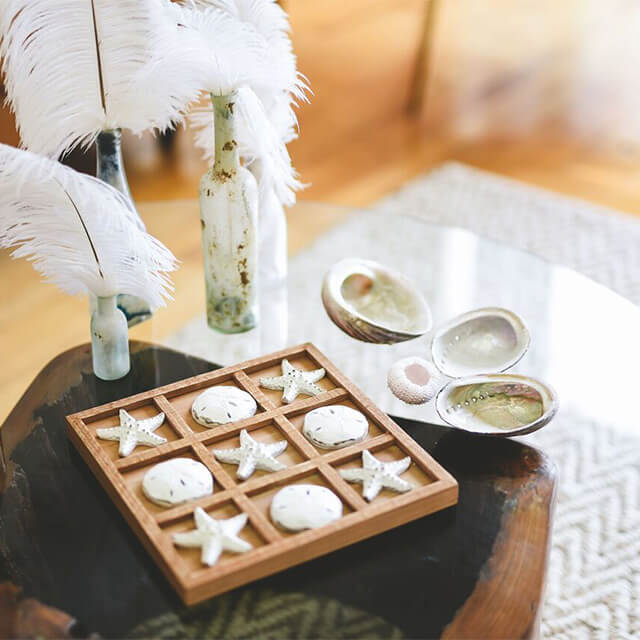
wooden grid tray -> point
(274, 549)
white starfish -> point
(132, 432)
(252, 455)
(375, 475)
(214, 536)
(294, 382)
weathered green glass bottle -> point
(229, 219)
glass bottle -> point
(109, 340)
(229, 220)
(110, 169)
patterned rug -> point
(266, 615)
(604, 245)
(593, 584)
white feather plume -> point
(75, 67)
(282, 85)
(79, 232)
(259, 140)
(234, 54)
(266, 123)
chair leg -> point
(418, 90)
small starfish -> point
(375, 475)
(252, 455)
(132, 432)
(214, 536)
(294, 382)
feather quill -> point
(79, 233)
(75, 67)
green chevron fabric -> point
(265, 615)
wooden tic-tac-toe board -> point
(273, 548)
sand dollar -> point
(335, 426)
(222, 404)
(176, 481)
(305, 506)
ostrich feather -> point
(234, 54)
(260, 141)
(266, 123)
(78, 232)
(282, 85)
(75, 67)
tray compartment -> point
(112, 419)
(133, 477)
(296, 417)
(262, 498)
(268, 433)
(387, 453)
(182, 405)
(303, 361)
(190, 557)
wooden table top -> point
(474, 570)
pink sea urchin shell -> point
(413, 380)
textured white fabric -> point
(600, 243)
(593, 582)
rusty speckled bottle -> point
(229, 219)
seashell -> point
(372, 303)
(335, 426)
(222, 404)
(481, 341)
(414, 380)
(497, 404)
(305, 506)
(176, 481)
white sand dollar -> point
(335, 426)
(305, 506)
(222, 404)
(176, 481)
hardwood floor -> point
(545, 92)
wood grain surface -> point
(65, 544)
(22, 617)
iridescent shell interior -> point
(384, 300)
(499, 404)
(481, 341)
(373, 303)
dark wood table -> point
(474, 570)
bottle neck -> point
(106, 305)
(227, 158)
(110, 166)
